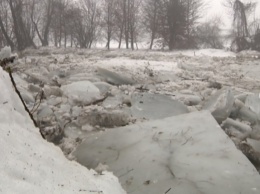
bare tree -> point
(72, 18)
(256, 40)
(240, 32)
(21, 30)
(151, 18)
(176, 23)
(240, 19)
(119, 21)
(41, 17)
(109, 17)
(6, 25)
(209, 33)
(58, 23)
(88, 25)
(194, 10)
(174, 20)
(133, 20)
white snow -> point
(31, 165)
(83, 92)
(5, 52)
(207, 52)
(178, 74)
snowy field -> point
(144, 115)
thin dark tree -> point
(109, 19)
(42, 19)
(151, 18)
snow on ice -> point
(31, 165)
(166, 142)
(188, 153)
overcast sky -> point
(215, 7)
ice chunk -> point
(187, 154)
(76, 110)
(253, 103)
(242, 97)
(65, 108)
(34, 88)
(247, 115)
(255, 144)
(220, 104)
(52, 91)
(72, 131)
(82, 93)
(5, 52)
(244, 113)
(115, 78)
(45, 113)
(243, 128)
(27, 97)
(189, 100)
(113, 102)
(104, 118)
(156, 106)
(103, 87)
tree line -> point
(175, 24)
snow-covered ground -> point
(31, 165)
(161, 84)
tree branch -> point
(3, 64)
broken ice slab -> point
(253, 103)
(114, 78)
(255, 144)
(244, 113)
(155, 106)
(247, 115)
(255, 134)
(27, 96)
(243, 128)
(113, 101)
(189, 99)
(45, 113)
(103, 118)
(220, 104)
(5, 52)
(52, 91)
(103, 87)
(242, 97)
(81, 93)
(187, 154)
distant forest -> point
(172, 24)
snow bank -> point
(29, 164)
(207, 52)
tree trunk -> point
(120, 36)
(7, 38)
(126, 20)
(65, 39)
(71, 40)
(108, 43)
(152, 39)
(132, 38)
(22, 36)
